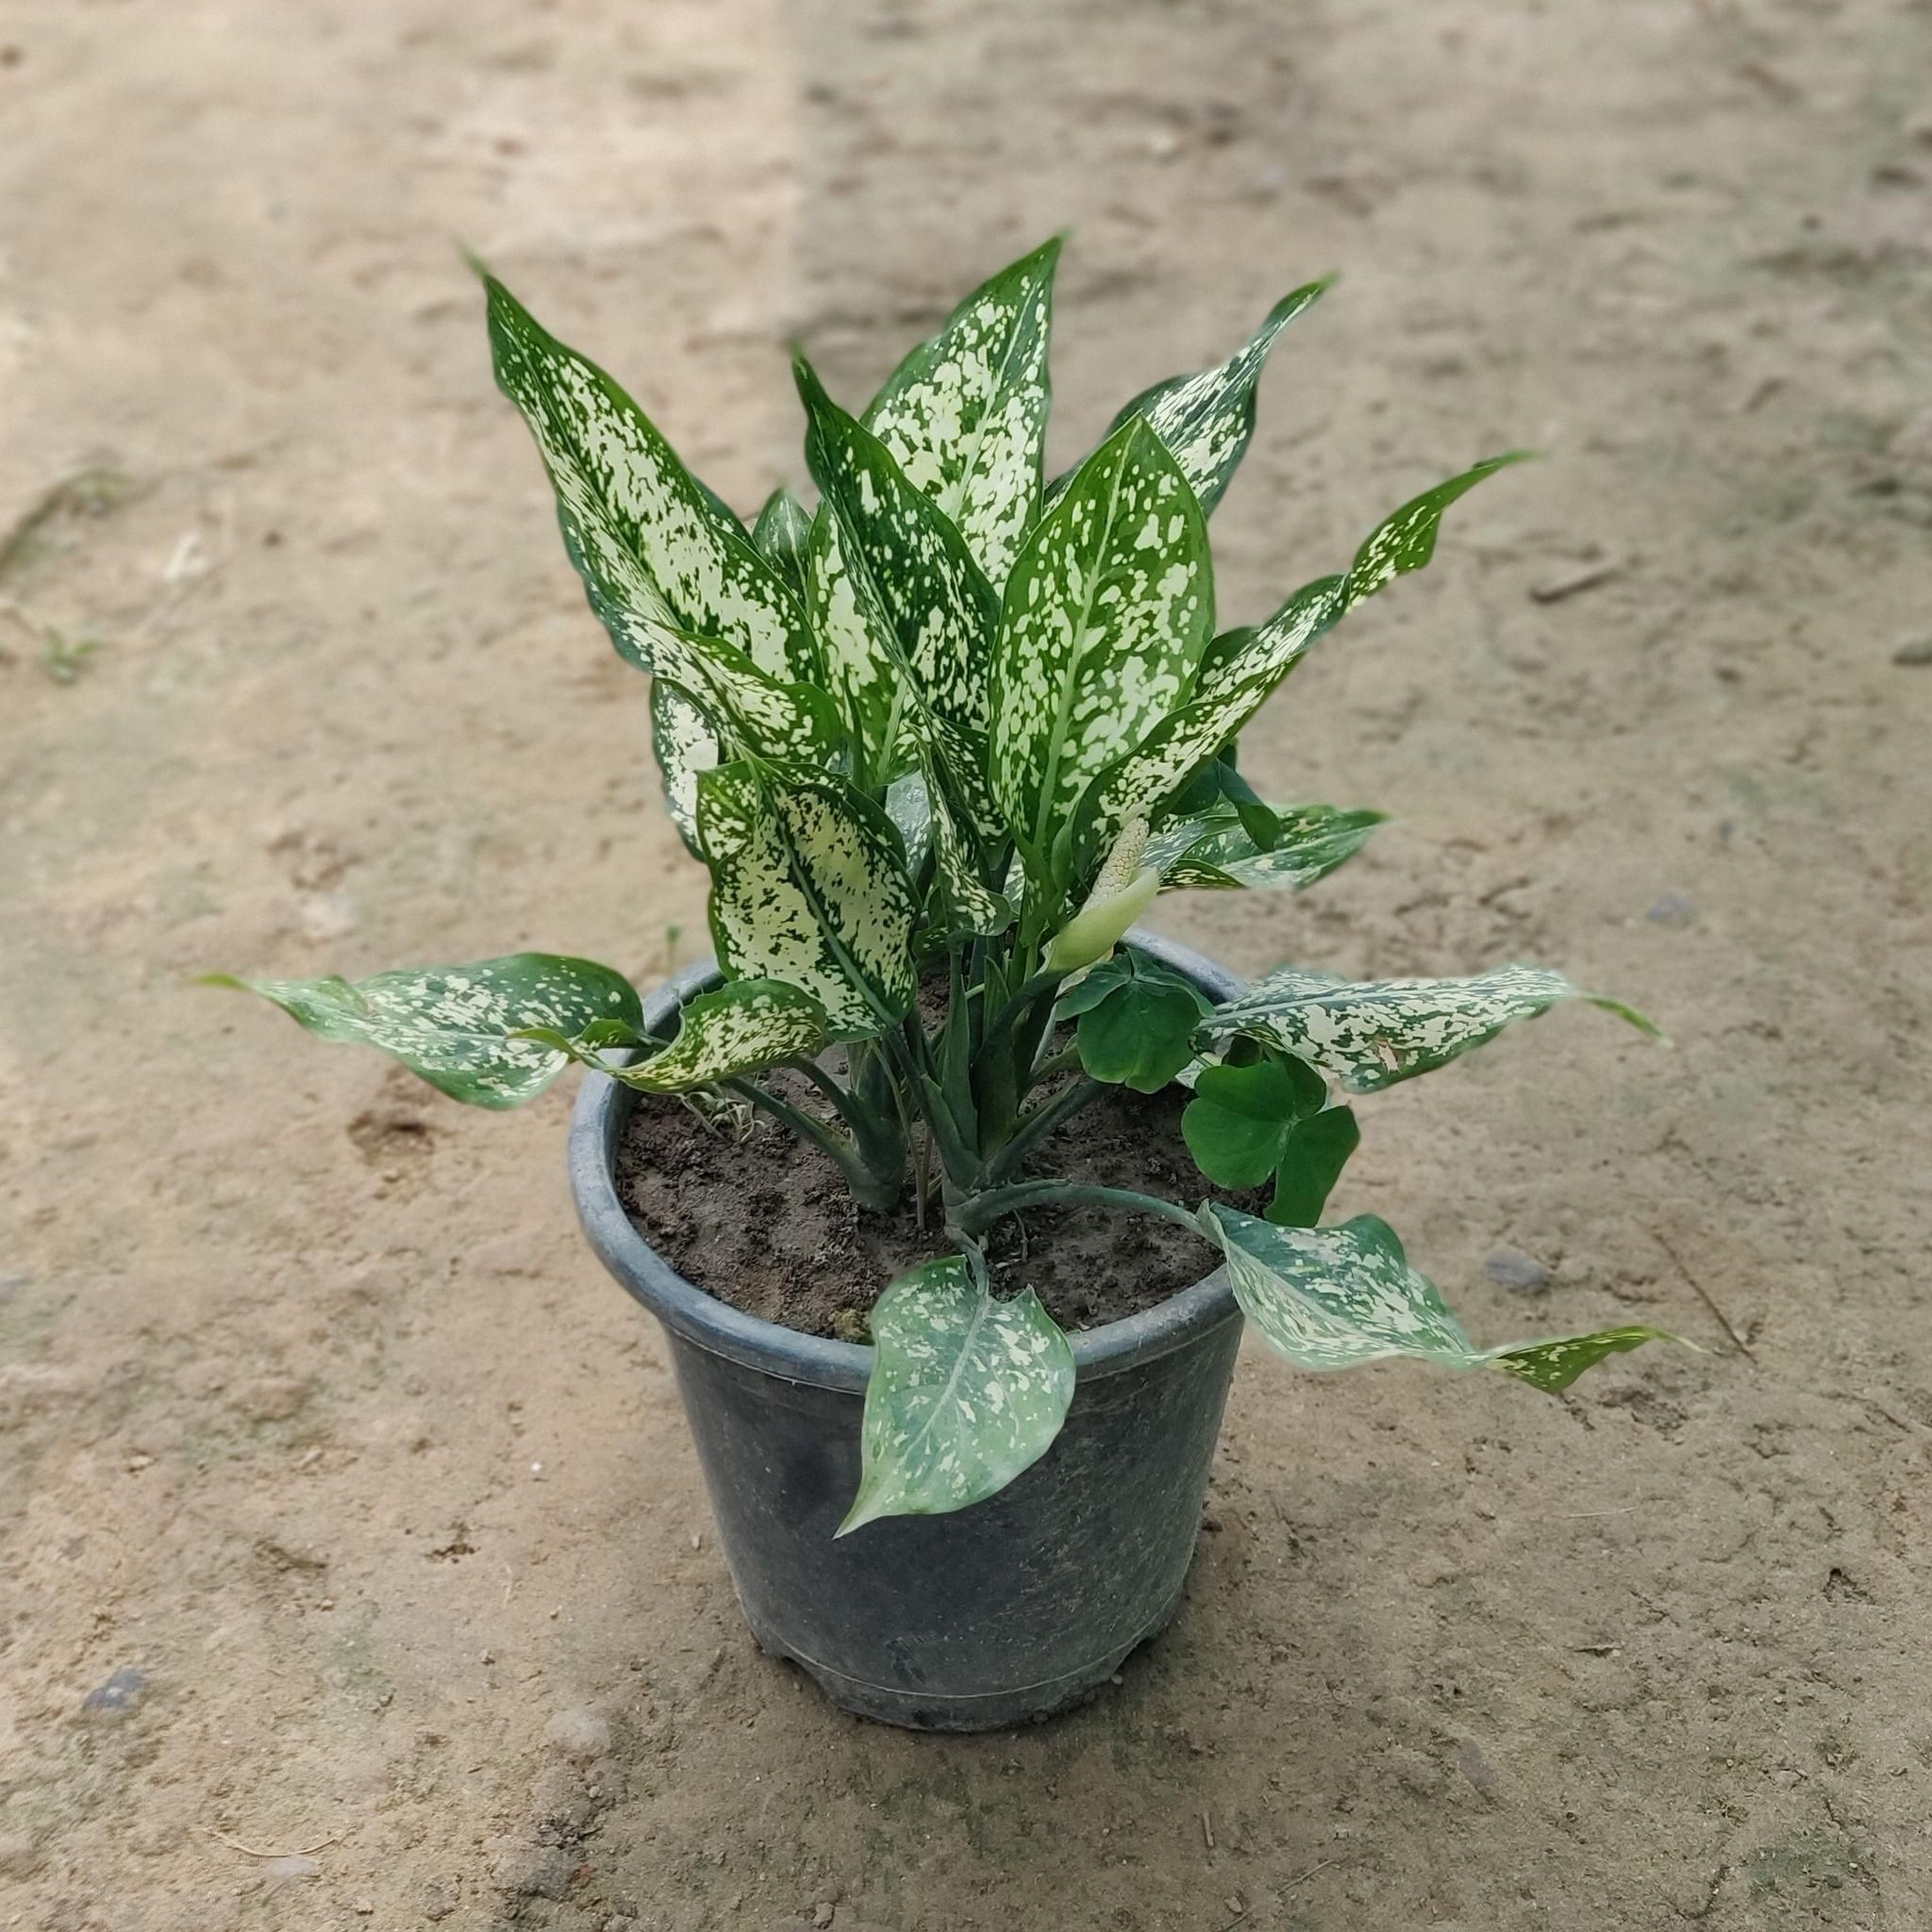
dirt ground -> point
(349, 1515)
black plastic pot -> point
(996, 1614)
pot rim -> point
(603, 1105)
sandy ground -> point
(316, 1415)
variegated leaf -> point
(687, 743)
(1208, 419)
(1213, 851)
(964, 415)
(458, 1026)
(859, 648)
(780, 535)
(1335, 1297)
(965, 1392)
(934, 598)
(766, 716)
(1373, 1033)
(1238, 671)
(971, 905)
(745, 1024)
(909, 804)
(1108, 609)
(809, 886)
(655, 549)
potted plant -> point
(940, 743)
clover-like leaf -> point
(1372, 1034)
(1239, 670)
(654, 547)
(965, 1392)
(1336, 1297)
(1216, 851)
(936, 600)
(964, 415)
(809, 886)
(1105, 615)
(458, 1027)
(1137, 1021)
(1238, 1123)
(1208, 419)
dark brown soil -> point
(767, 1225)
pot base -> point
(992, 1710)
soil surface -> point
(356, 1569)
(767, 1223)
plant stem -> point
(1065, 1061)
(869, 1189)
(979, 1211)
(1034, 1128)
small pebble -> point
(438, 1901)
(1516, 1272)
(292, 1869)
(1673, 909)
(119, 1695)
(1914, 651)
(363, 1907)
(823, 1914)
(579, 1734)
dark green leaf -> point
(780, 536)
(1313, 1154)
(1137, 1021)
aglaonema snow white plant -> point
(958, 726)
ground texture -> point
(348, 1513)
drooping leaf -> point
(809, 886)
(1238, 671)
(1215, 850)
(745, 1024)
(654, 547)
(1208, 419)
(965, 1392)
(1551, 1366)
(458, 1026)
(1137, 1021)
(686, 744)
(964, 415)
(1108, 609)
(1371, 1034)
(780, 535)
(1335, 1297)
(861, 650)
(935, 597)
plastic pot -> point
(994, 1615)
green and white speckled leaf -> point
(909, 804)
(457, 1025)
(1551, 1366)
(780, 535)
(1212, 850)
(686, 742)
(1208, 419)
(934, 598)
(774, 719)
(859, 646)
(1336, 1297)
(1108, 609)
(1371, 1034)
(655, 549)
(971, 905)
(966, 1391)
(809, 886)
(964, 415)
(1240, 668)
(745, 1024)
